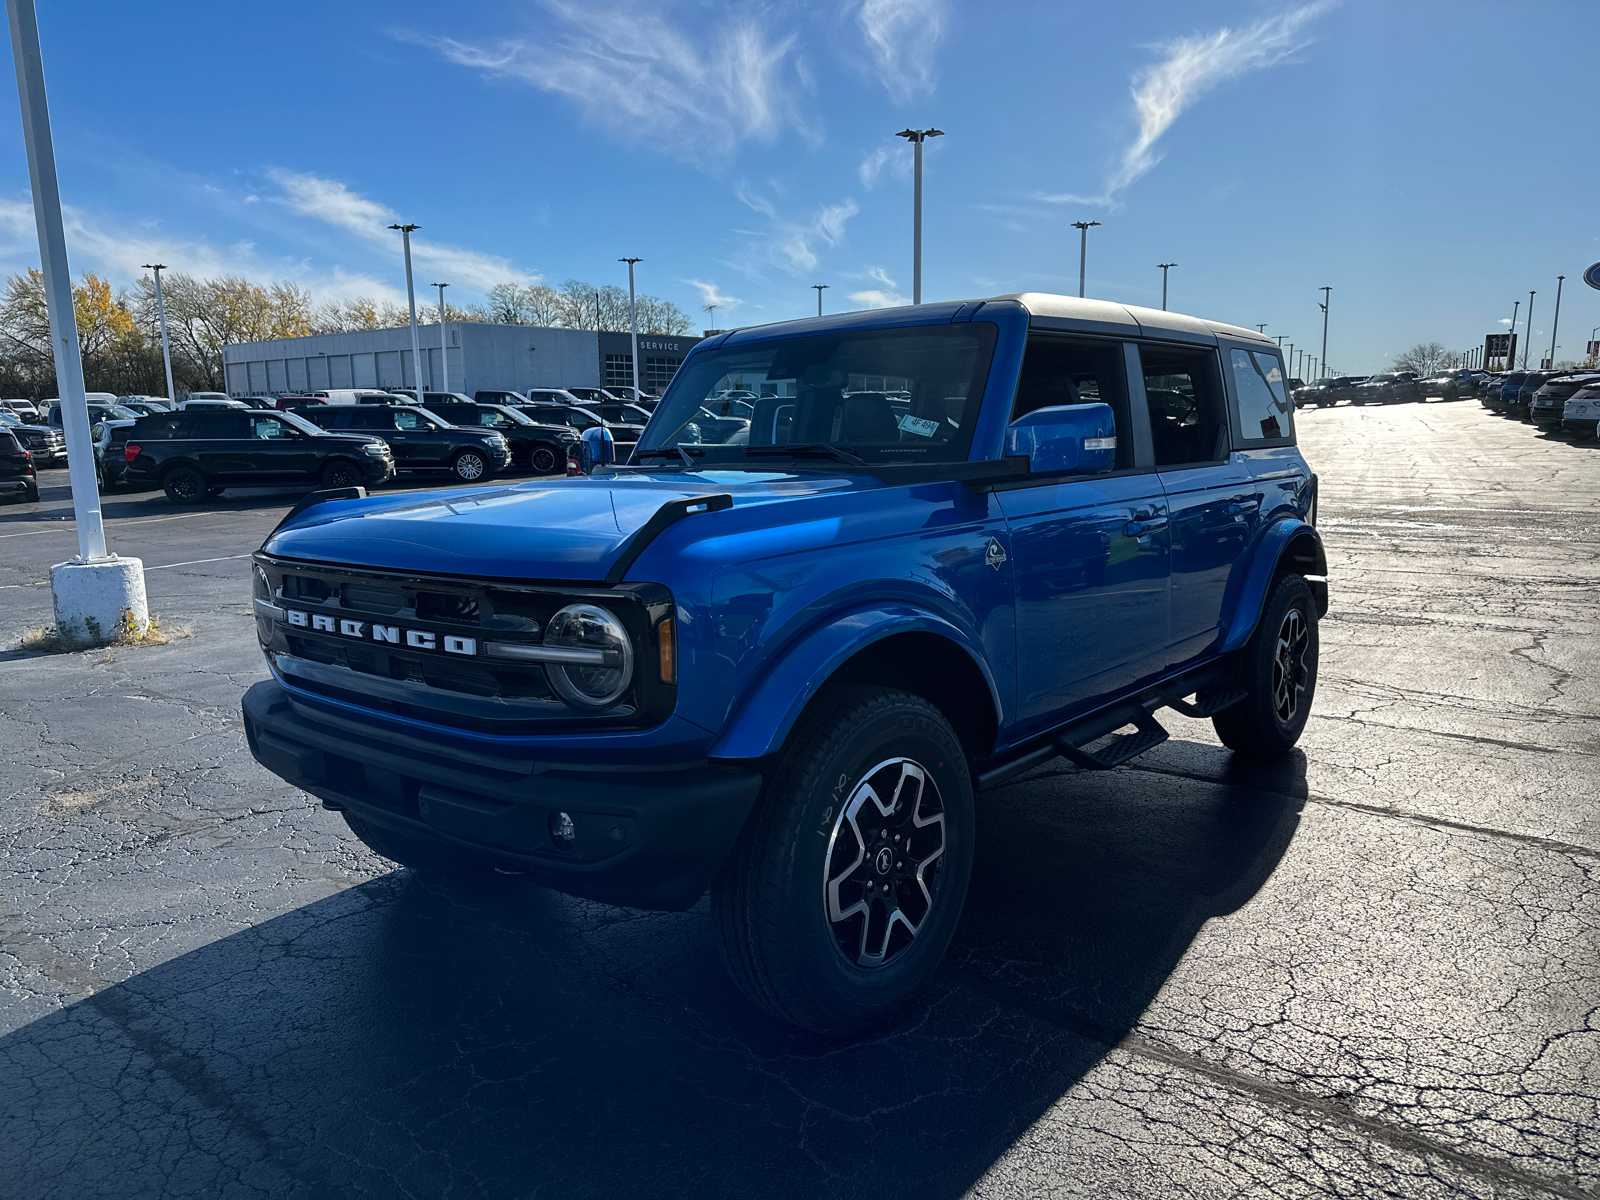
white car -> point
(210, 400)
(26, 409)
(1581, 414)
(160, 402)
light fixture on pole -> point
(161, 311)
(1083, 228)
(633, 324)
(711, 311)
(1555, 321)
(96, 595)
(444, 362)
(1527, 325)
(819, 287)
(916, 137)
(411, 300)
(1165, 267)
(1261, 328)
(1327, 299)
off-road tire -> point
(462, 466)
(419, 854)
(340, 475)
(771, 897)
(184, 485)
(1278, 670)
(543, 460)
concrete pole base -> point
(99, 601)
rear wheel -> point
(1278, 670)
(469, 466)
(844, 890)
(340, 475)
(543, 460)
(184, 485)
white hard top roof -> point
(1151, 322)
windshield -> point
(884, 395)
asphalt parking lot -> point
(1371, 970)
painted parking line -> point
(70, 526)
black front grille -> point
(356, 645)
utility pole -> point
(161, 310)
(1083, 228)
(916, 137)
(1327, 298)
(1556, 321)
(819, 287)
(96, 595)
(411, 299)
(1527, 324)
(633, 324)
(1165, 267)
(444, 362)
(711, 309)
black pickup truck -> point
(199, 452)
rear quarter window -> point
(1265, 413)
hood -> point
(569, 529)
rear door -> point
(222, 445)
(1212, 502)
(1090, 556)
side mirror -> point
(1071, 439)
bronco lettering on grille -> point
(416, 639)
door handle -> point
(1140, 529)
(1238, 507)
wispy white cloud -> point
(791, 243)
(333, 203)
(631, 70)
(903, 37)
(709, 295)
(1192, 67)
(887, 296)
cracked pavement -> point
(1371, 970)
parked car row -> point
(1394, 387)
(1567, 400)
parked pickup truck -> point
(777, 657)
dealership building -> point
(474, 356)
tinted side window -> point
(159, 427)
(369, 418)
(1059, 370)
(1264, 411)
(1184, 391)
(411, 420)
(223, 425)
(268, 427)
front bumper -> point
(647, 837)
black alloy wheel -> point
(1278, 670)
(844, 890)
(184, 485)
(543, 460)
(469, 466)
(340, 475)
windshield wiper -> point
(686, 456)
(808, 449)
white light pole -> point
(444, 362)
(97, 595)
(916, 137)
(633, 324)
(1327, 298)
(1165, 267)
(161, 309)
(411, 299)
(1527, 324)
(1555, 322)
(1083, 228)
(819, 287)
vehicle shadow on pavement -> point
(497, 1039)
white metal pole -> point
(57, 279)
(161, 310)
(444, 360)
(411, 300)
(916, 229)
(633, 325)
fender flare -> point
(1289, 536)
(772, 705)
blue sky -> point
(1431, 162)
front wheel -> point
(844, 890)
(340, 475)
(469, 466)
(1278, 670)
(543, 460)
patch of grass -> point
(42, 638)
(46, 639)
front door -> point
(1090, 554)
(278, 452)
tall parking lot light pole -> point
(96, 594)
(411, 299)
(444, 361)
(1527, 326)
(161, 311)
(633, 323)
(1327, 298)
(1083, 228)
(916, 137)
(1555, 321)
(819, 287)
(1516, 307)
(1165, 267)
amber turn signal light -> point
(667, 650)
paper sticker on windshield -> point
(918, 426)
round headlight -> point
(589, 627)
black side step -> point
(1148, 734)
(1214, 691)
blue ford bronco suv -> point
(777, 654)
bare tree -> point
(1425, 358)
